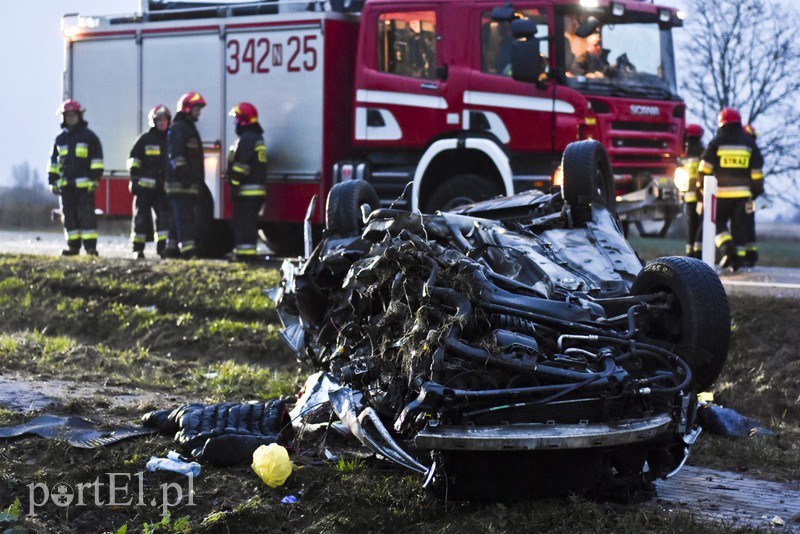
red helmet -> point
(728, 115)
(694, 130)
(190, 100)
(70, 105)
(751, 131)
(156, 113)
(245, 113)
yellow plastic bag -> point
(271, 463)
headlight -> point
(558, 176)
(682, 179)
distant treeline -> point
(27, 207)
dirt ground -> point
(111, 339)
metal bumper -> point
(536, 436)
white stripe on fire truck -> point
(401, 99)
(502, 100)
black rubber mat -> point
(76, 431)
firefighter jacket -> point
(148, 162)
(186, 168)
(735, 160)
(247, 162)
(77, 159)
(691, 161)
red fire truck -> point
(433, 102)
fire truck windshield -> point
(634, 59)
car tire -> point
(460, 190)
(588, 180)
(343, 209)
(700, 317)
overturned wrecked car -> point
(512, 347)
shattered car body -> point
(513, 347)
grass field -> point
(773, 252)
(205, 330)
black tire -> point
(283, 239)
(343, 209)
(700, 315)
(588, 180)
(214, 237)
(460, 190)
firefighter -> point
(76, 167)
(693, 149)
(751, 247)
(734, 158)
(186, 170)
(247, 175)
(148, 166)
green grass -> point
(151, 327)
(771, 252)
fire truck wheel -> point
(283, 239)
(460, 190)
(696, 316)
(346, 202)
(588, 180)
(214, 237)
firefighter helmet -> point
(751, 131)
(156, 113)
(694, 130)
(190, 100)
(70, 105)
(245, 113)
(727, 116)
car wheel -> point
(343, 211)
(588, 180)
(460, 190)
(698, 315)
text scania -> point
(650, 111)
(117, 492)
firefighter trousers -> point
(183, 217)
(694, 230)
(78, 216)
(245, 223)
(731, 243)
(145, 205)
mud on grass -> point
(205, 331)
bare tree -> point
(24, 177)
(746, 55)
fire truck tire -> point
(460, 190)
(588, 180)
(214, 238)
(283, 239)
(699, 317)
(343, 213)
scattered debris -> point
(223, 434)
(721, 421)
(76, 431)
(271, 463)
(174, 462)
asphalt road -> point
(115, 243)
(775, 281)
(110, 244)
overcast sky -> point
(31, 64)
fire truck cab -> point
(433, 102)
